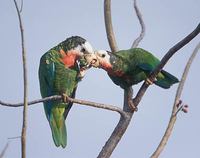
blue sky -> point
(46, 23)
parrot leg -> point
(65, 97)
(131, 105)
(148, 81)
(130, 101)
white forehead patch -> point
(88, 47)
(103, 54)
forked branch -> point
(123, 123)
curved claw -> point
(65, 97)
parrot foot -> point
(132, 106)
(148, 81)
(65, 98)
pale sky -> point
(46, 23)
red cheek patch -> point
(69, 58)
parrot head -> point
(104, 60)
(76, 49)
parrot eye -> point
(103, 55)
(83, 50)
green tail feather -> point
(166, 81)
(58, 129)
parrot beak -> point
(91, 59)
(95, 61)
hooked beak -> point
(96, 63)
(91, 59)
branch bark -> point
(119, 130)
(108, 24)
(173, 117)
(24, 125)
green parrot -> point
(129, 67)
(60, 70)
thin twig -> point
(173, 117)
(24, 125)
(108, 24)
(21, 7)
(54, 97)
(185, 73)
(17, 137)
(177, 109)
(99, 105)
(142, 24)
(78, 101)
(4, 150)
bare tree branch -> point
(142, 24)
(115, 137)
(128, 93)
(4, 150)
(78, 101)
(108, 24)
(24, 125)
(173, 117)
(119, 130)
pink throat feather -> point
(109, 68)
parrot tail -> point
(165, 79)
(58, 128)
